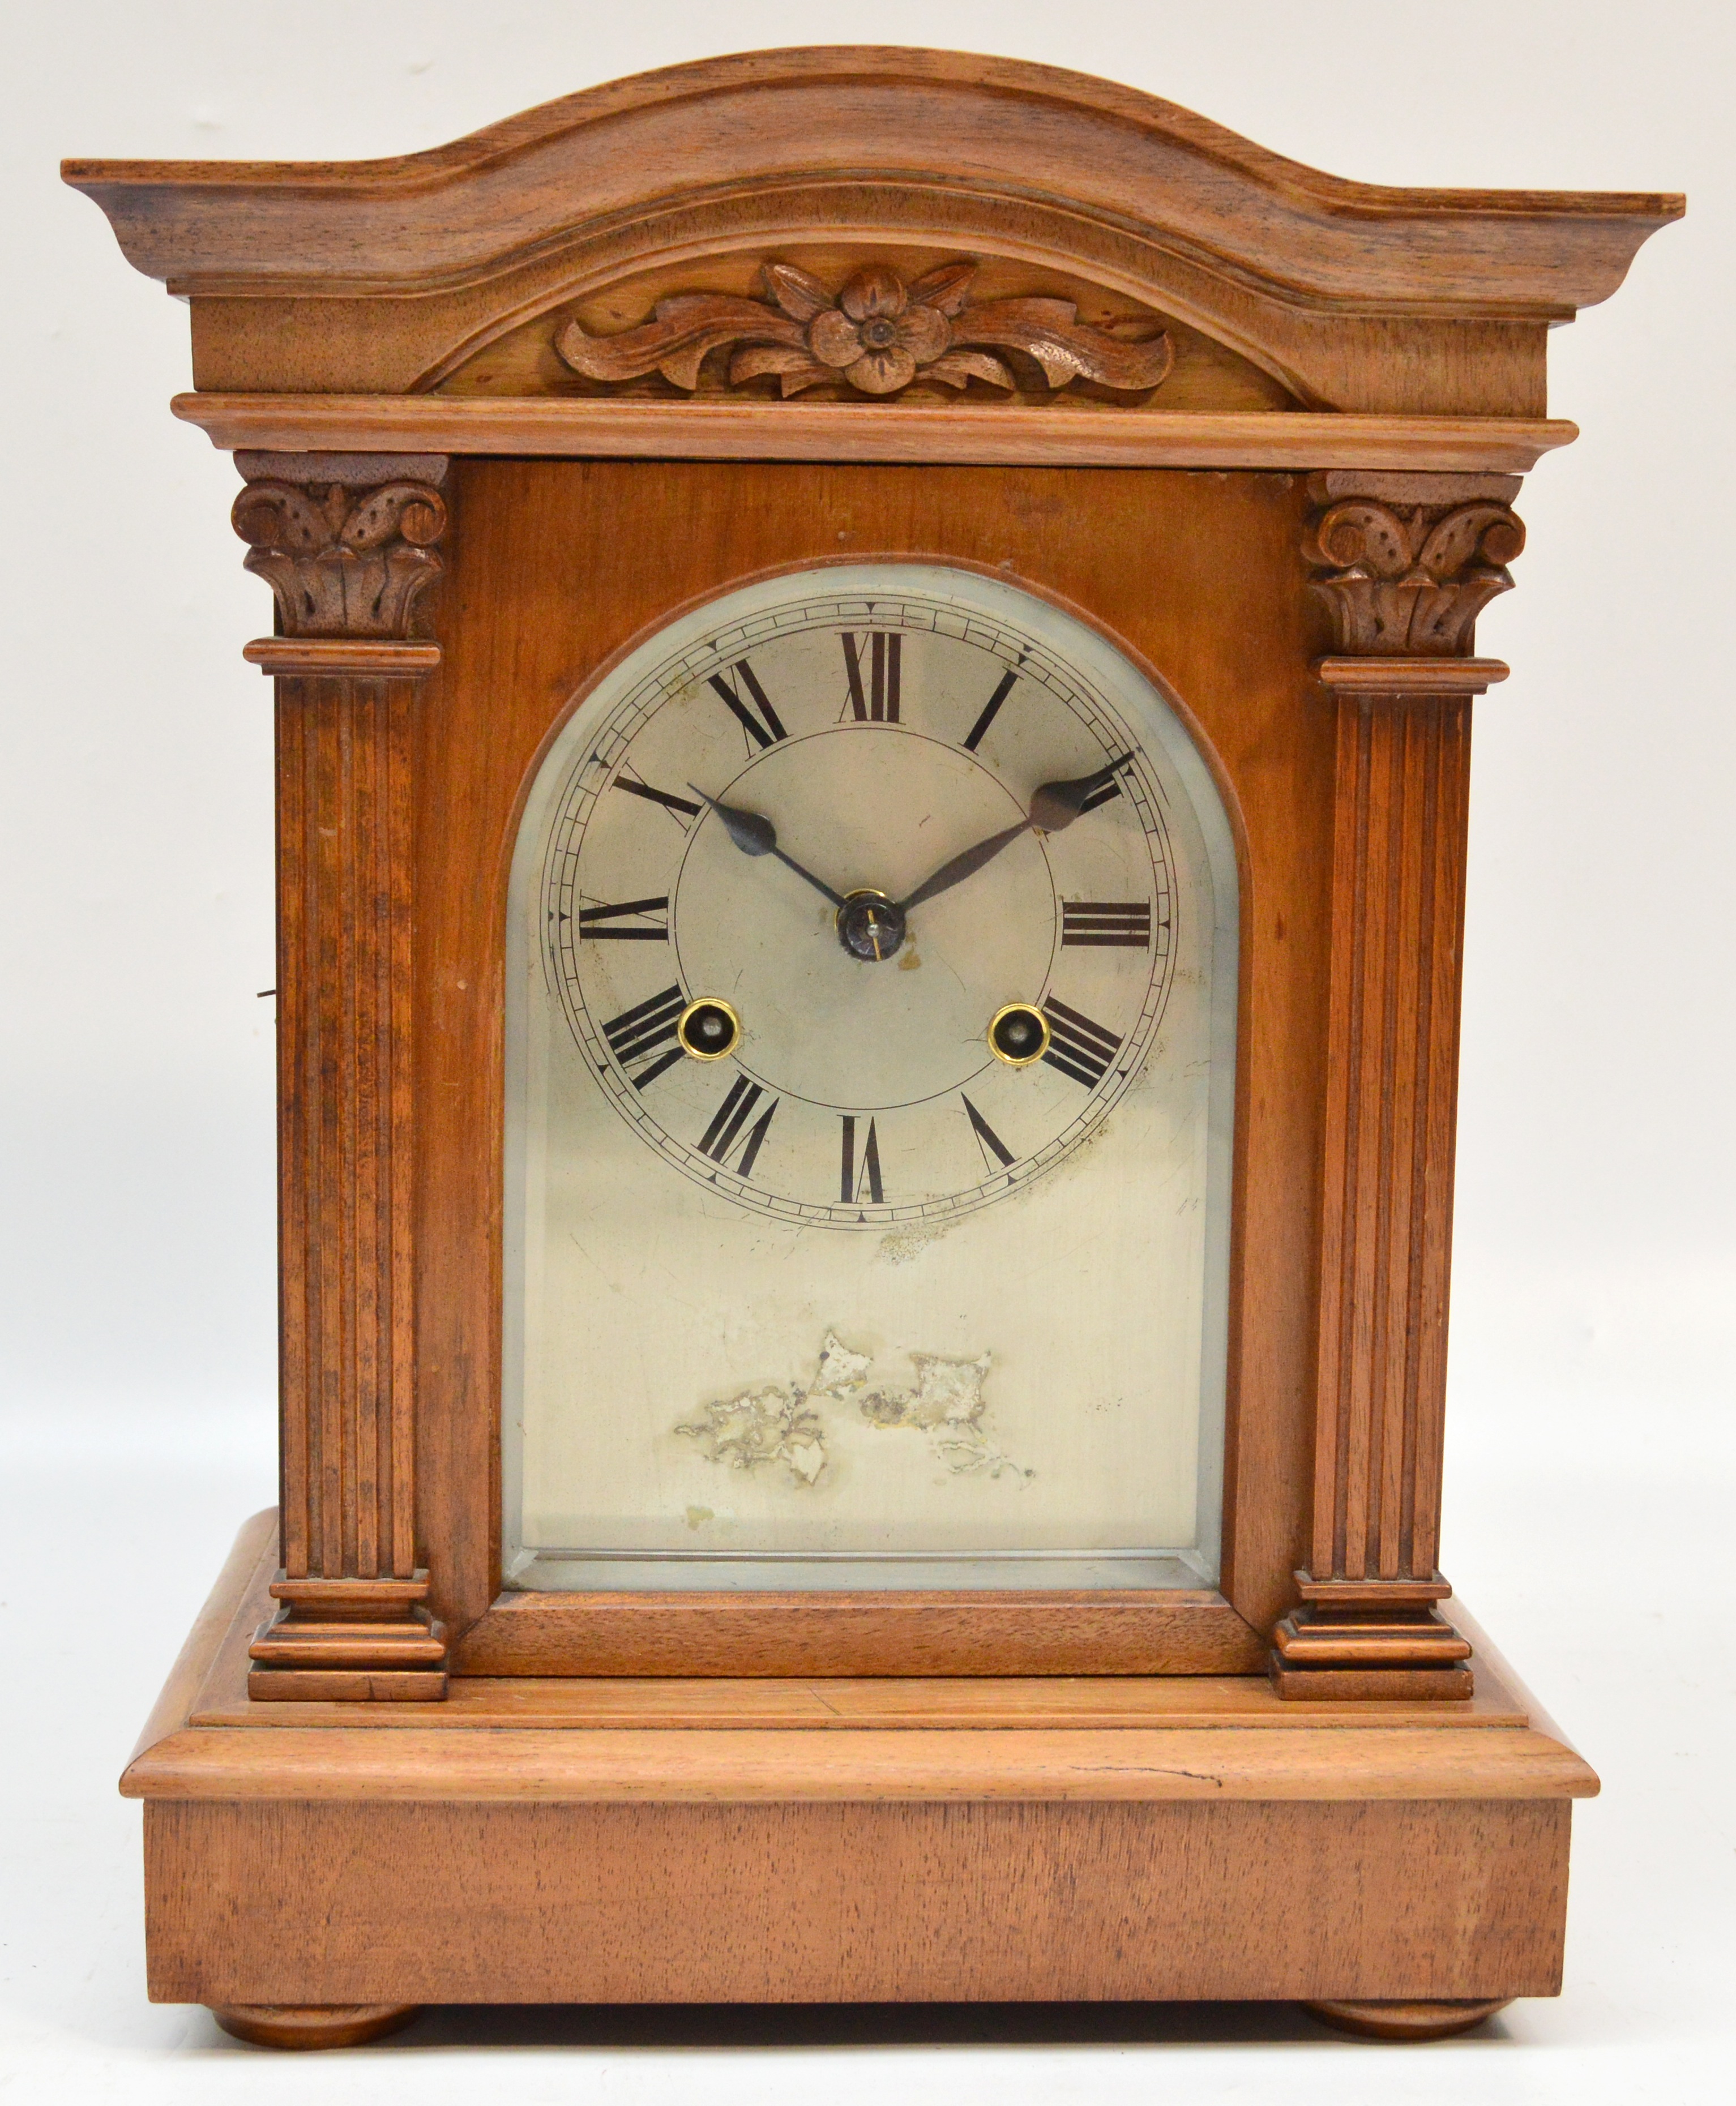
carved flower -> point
(877, 334)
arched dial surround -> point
(879, 734)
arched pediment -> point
(1293, 287)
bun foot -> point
(1408, 2020)
(311, 2025)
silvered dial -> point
(907, 868)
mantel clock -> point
(873, 655)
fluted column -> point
(1405, 563)
(348, 543)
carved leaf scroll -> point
(877, 335)
(1411, 579)
(347, 562)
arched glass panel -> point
(868, 1202)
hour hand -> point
(755, 835)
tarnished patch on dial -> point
(778, 1424)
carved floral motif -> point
(343, 562)
(1410, 580)
(877, 334)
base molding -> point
(315, 1871)
(1414, 2020)
(311, 2025)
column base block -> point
(1358, 1685)
(348, 1641)
(1361, 1639)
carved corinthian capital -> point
(345, 541)
(1407, 563)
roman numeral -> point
(993, 1149)
(725, 1132)
(850, 1181)
(1105, 922)
(635, 788)
(878, 702)
(1077, 1046)
(593, 920)
(991, 710)
(755, 715)
(638, 1032)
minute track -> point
(939, 1126)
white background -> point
(1590, 1446)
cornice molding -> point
(921, 121)
(559, 427)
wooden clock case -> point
(500, 410)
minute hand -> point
(1056, 805)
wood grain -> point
(312, 1867)
(1403, 781)
(328, 1902)
(889, 1702)
(344, 1038)
(562, 565)
(419, 220)
(347, 547)
(239, 1591)
(346, 1182)
(1351, 295)
(1398, 678)
(892, 1704)
(290, 657)
(312, 2025)
(1026, 1632)
(561, 428)
(1413, 2019)
(1404, 570)
(754, 1765)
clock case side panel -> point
(563, 565)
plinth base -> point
(545, 1840)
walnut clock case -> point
(874, 655)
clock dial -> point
(871, 1060)
(852, 757)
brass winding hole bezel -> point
(1019, 1009)
(692, 1009)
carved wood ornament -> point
(1405, 565)
(343, 562)
(1409, 578)
(347, 545)
(876, 334)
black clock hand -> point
(757, 837)
(1056, 805)
(964, 866)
